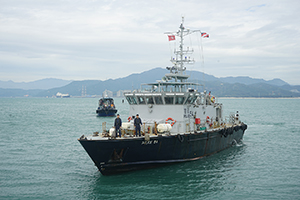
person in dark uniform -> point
(137, 123)
(118, 124)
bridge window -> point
(158, 100)
(149, 100)
(141, 100)
(169, 100)
(131, 100)
(179, 100)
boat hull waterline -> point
(106, 113)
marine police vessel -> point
(106, 107)
(180, 123)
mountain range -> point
(43, 84)
(241, 86)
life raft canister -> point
(197, 121)
(129, 119)
(213, 99)
(173, 121)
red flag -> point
(205, 35)
(171, 37)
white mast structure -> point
(178, 70)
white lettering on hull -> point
(149, 142)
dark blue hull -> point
(120, 155)
(106, 112)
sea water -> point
(40, 157)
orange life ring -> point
(129, 119)
(173, 121)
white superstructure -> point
(174, 100)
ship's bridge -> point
(164, 93)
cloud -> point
(111, 39)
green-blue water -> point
(40, 157)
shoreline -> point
(258, 97)
(98, 96)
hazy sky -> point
(91, 39)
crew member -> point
(137, 123)
(237, 117)
(208, 99)
(118, 124)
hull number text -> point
(149, 142)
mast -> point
(181, 46)
(177, 71)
